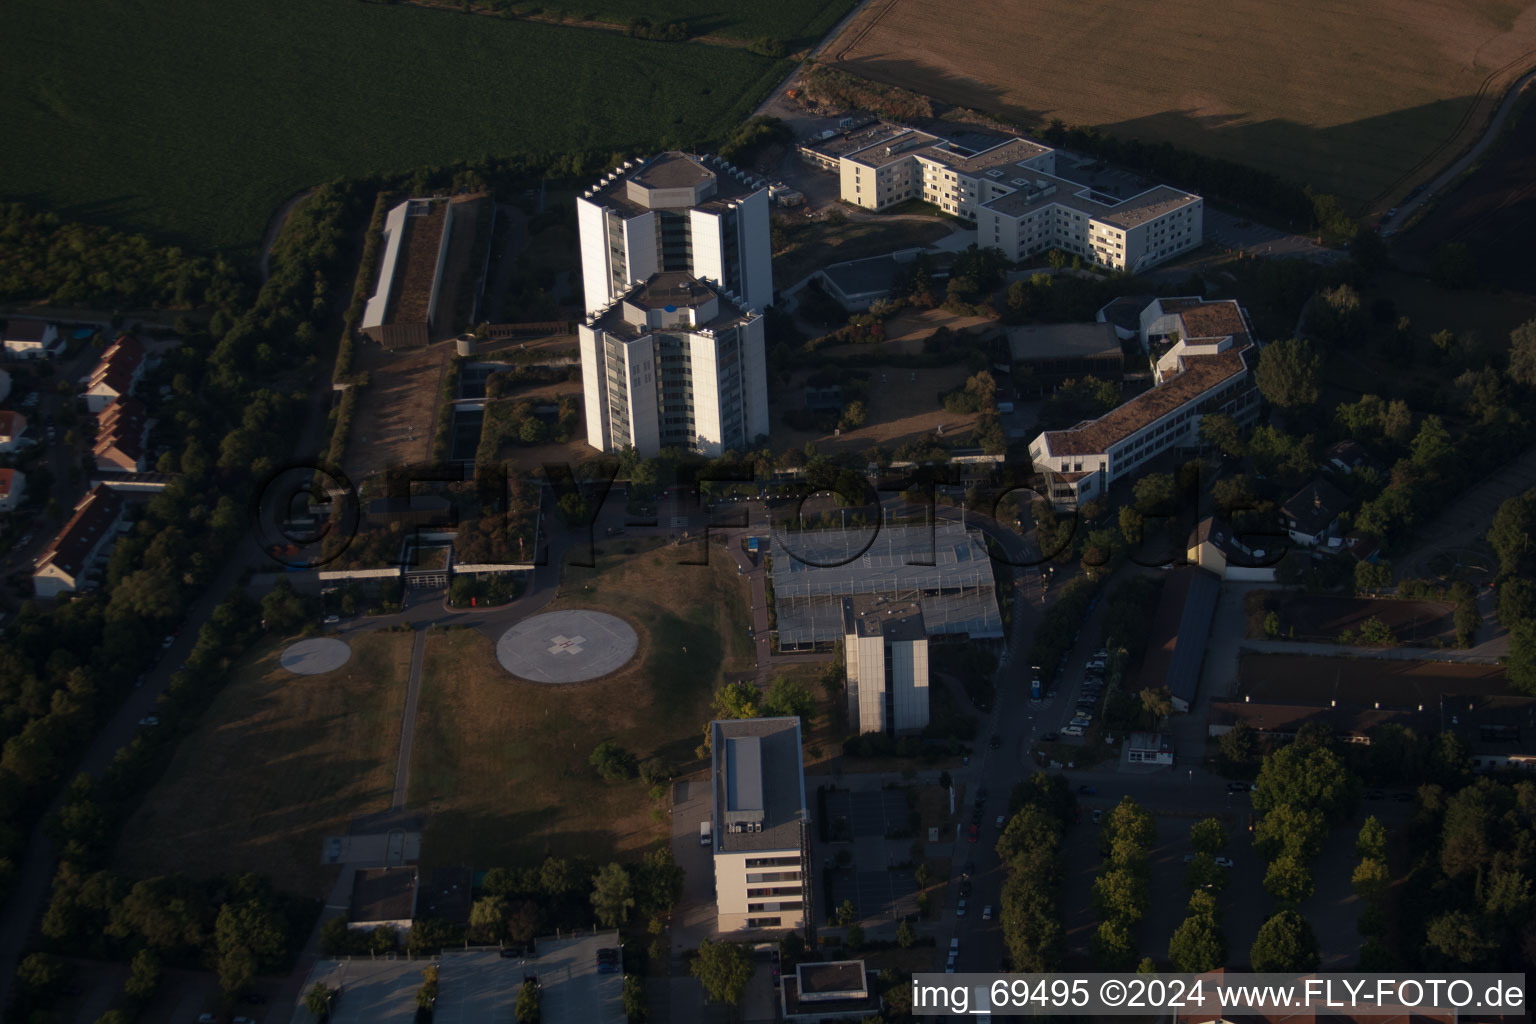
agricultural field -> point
(277, 763)
(797, 23)
(193, 121)
(500, 765)
(1357, 100)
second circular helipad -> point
(567, 646)
(316, 657)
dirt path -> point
(278, 220)
(1449, 174)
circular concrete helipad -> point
(566, 647)
(316, 657)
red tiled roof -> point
(11, 423)
(94, 516)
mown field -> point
(194, 121)
(1355, 99)
(501, 765)
(277, 763)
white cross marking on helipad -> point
(567, 644)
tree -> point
(1372, 577)
(1513, 535)
(1222, 433)
(1517, 601)
(1291, 829)
(1372, 841)
(143, 975)
(906, 935)
(1371, 879)
(1239, 744)
(1112, 947)
(249, 936)
(1208, 836)
(1288, 881)
(1287, 373)
(488, 919)
(1285, 945)
(853, 937)
(1204, 873)
(1458, 939)
(318, 1000)
(1307, 777)
(1520, 663)
(736, 700)
(1522, 354)
(1157, 703)
(612, 761)
(527, 1009)
(789, 698)
(724, 968)
(854, 415)
(1198, 944)
(659, 882)
(847, 913)
(613, 895)
(1154, 493)
(1454, 267)
(634, 999)
(1120, 895)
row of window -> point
(773, 862)
(790, 905)
(775, 876)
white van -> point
(1072, 730)
(704, 833)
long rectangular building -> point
(1010, 190)
(761, 835)
(1207, 367)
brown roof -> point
(383, 894)
(118, 379)
(1317, 680)
(25, 329)
(1201, 374)
(11, 423)
(1315, 506)
(672, 170)
(419, 249)
(7, 481)
(96, 514)
(1220, 319)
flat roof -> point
(1120, 213)
(1201, 374)
(834, 977)
(1317, 680)
(642, 296)
(870, 276)
(1058, 341)
(877, 615)
(757, 760)
(673, 169)
(672, 288)
(849, 142)
(383, 894)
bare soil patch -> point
(1359, 101)
(1324, 618)
(394, 420)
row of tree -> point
(1040, 809)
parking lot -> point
(876, 895)
(869, 814)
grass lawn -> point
(279, 762)
(194, 121)
(809, 245)
(501, 764)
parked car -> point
(166, 643)
(335, 849)
(1100, 654)
(1237, 787)
(331, 620)
(1048, 737)
(954, 947)
(149, 720)
(986, 912)
(1098, 815)
(960, 908)
(1002, 819)
(974, 835)
(1096, 665)
(995, 742)
(1072, 730)
(1225, 862)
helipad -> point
(566, 647)
(316, 657)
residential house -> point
(13, 426)
(13, 488)
(26, 338)
(87, 537)
(1311, 515)
(1348, 457)
(122, 429)
(119, 369)
(1214, 546)
(832, 991)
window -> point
(764, 922)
